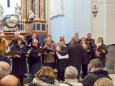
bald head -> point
(4, 69)
(10, 80)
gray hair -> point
(71, 72)
(103, 82)
(96, 63)
(4, 69)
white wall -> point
(110, 22)
(83, 17)
(77, 18)
(99, 22)
(104, 24)
(64, 24)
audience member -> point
(71, 74)
(10, 80)
(45, 77)
(103, 82)
(4, 69)
(95, 72)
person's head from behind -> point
(74, 40)
(10, 80)
(4, 69)
(103, 82)
(94, 65)
(45, 71)
(71, 72)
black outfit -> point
(34, 60)
(75, 52)
(90, 79)
(61, 65)
(102, 56)
(86, 60)
(19, 65)
(91, 43)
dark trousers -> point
(61, 74)
(84, 70)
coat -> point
(70, 82)
(102, 56)
(75, 53)
(44, 82)
(19, 65)
(90, 79)
(34, 60)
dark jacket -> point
(102, 56)
(90, 79)
(75, 53)
(44, 81)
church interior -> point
(60, 18)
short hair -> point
(71, 72)
(74, 40)
(45, 71)
(35, 41)
(103, 82)
(17, 32)
(96, 63)
(89, 34)
(4, 69)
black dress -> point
(19, 65)
(61, 65)
(34, 60)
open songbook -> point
(62, 57)
(11, 52)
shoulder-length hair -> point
(18, 40)
(101, 38)
(45, 71)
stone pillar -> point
(42, 9)
(31, 4)
(36, 9)
(24, 9)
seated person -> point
(4, 69)
(10, 80)
(71, 74)
(95, 72)
(103, 82)
(44, 77)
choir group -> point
(28, 55)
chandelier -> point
(94, 8)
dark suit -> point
(75, 52)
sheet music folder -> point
(62, 57)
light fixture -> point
(94, 8)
